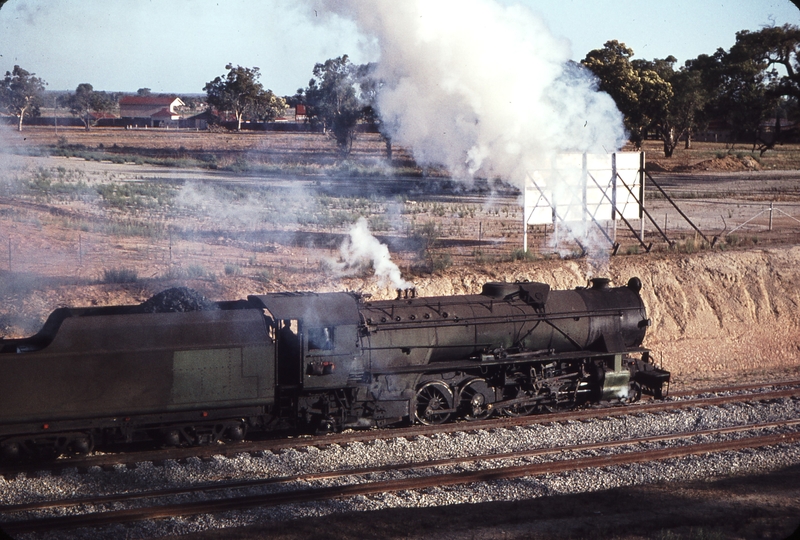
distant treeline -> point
(144, 123)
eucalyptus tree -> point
(678, 110)
(87, 104)
(334, 99)
(767, 67)
(653, 96)
(21, 94)
(629, 88)
(240, 93)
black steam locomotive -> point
(324, 361)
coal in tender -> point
(177, 299)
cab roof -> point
(314, 309)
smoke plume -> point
(481, 88)
(361, 249)
(486, 90)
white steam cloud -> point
(205, 198)
(481, 88)
(361, 249)
(486, 90)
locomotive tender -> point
(326, 361)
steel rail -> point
(274, 445)
(735, 388)
(335, 492)
(220, 486)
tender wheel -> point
(10, 451)
(171, 437)
(82, 444)
(475, 400)
(433, 404)
(237, 432)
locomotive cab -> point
(317, 338)
(318, 357)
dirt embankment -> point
(717, 316)
(726, 163)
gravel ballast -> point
(146, 476)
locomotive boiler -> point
(322, 361)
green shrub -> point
(233, 270)
(378, 223)
(441, 262)
(174, 272)
(195, 271)
(264, 276)
(120, 275)
(520, 254)
(481, 257)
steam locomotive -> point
(319, 361)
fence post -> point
(771, 207)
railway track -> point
(293, 489)
(782, 389)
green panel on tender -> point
(213, 376)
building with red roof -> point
(157, 109)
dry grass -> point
(255, 147)
(72, 219)
(319, 149)
(782, 157)
(470, 229)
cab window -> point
(320, 339)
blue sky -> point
(179, 45)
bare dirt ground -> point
(69, 227)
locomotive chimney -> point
(408, 292)
(600, 283)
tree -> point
(240, 93)
(21, 94)
(769, 76)
(333, 98)
(654, 101)
(736, 91)
(652, 96)
(369, 88)
(618, 77)
(87, 103)
(679, 103)
(769, 48)
(690, 104)
(268, 106)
